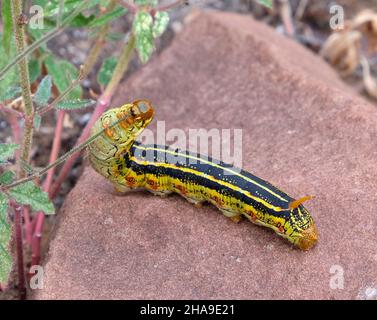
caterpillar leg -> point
(196, 202)
(162, 194)
(119, 188)
(235, 217)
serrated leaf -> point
(142, 26)
(37, 121)
(10, 93)
(266, 3)
(161, 21)
(112, 15)
(51, 8)
(106, 71)
(30, 194)
(63, 72)
(43, 93)
(7, 177)
(74, 104)
(34, 69)
(5, 236)
(7, 151)
(6, 15)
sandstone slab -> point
(303, 130)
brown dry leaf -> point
(341, 49)
(366, 22)
(370, 83)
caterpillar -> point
(129, 164)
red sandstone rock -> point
(303, 130)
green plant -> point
(35, 66)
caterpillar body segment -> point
(161, 170)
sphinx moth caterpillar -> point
(129, 164)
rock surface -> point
(303, 130)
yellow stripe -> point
(217, 166)
(198, 173)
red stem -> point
(39, 219)
(102, 105)
(19, 247)
(28, 225)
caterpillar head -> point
(303, 231)
(121, 127)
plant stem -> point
(84, 71)
(132, 8)
(102, 104)
(61, 159)
(20, 254)
(48, 36)
(19, 34)
(172, 5)
(121, 66)
(19, 30)
(35, 240)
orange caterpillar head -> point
(121, 127)
(302, 229)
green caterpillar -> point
(130, 165)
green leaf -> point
(26, 167)
(82, 21)
(51, 8)
(74, 104)
(37, 121)
(43, 93)
(63, 72)
(10, 93)
(106, 71)
(142, 26)
(34, 69)
(7, 151)
(11, 77)
(6, 14)
(161, 21)
(266, 3)
(5, 236)
(112, 15)
(7, 177)
(152, 3)
(30, 194)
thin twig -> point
(84, 71)
(102, 104)
(71, 86)
(132, 8)
(61, 159)
(40, 216)
(173, 4)
(60, 13)
(48, 36)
